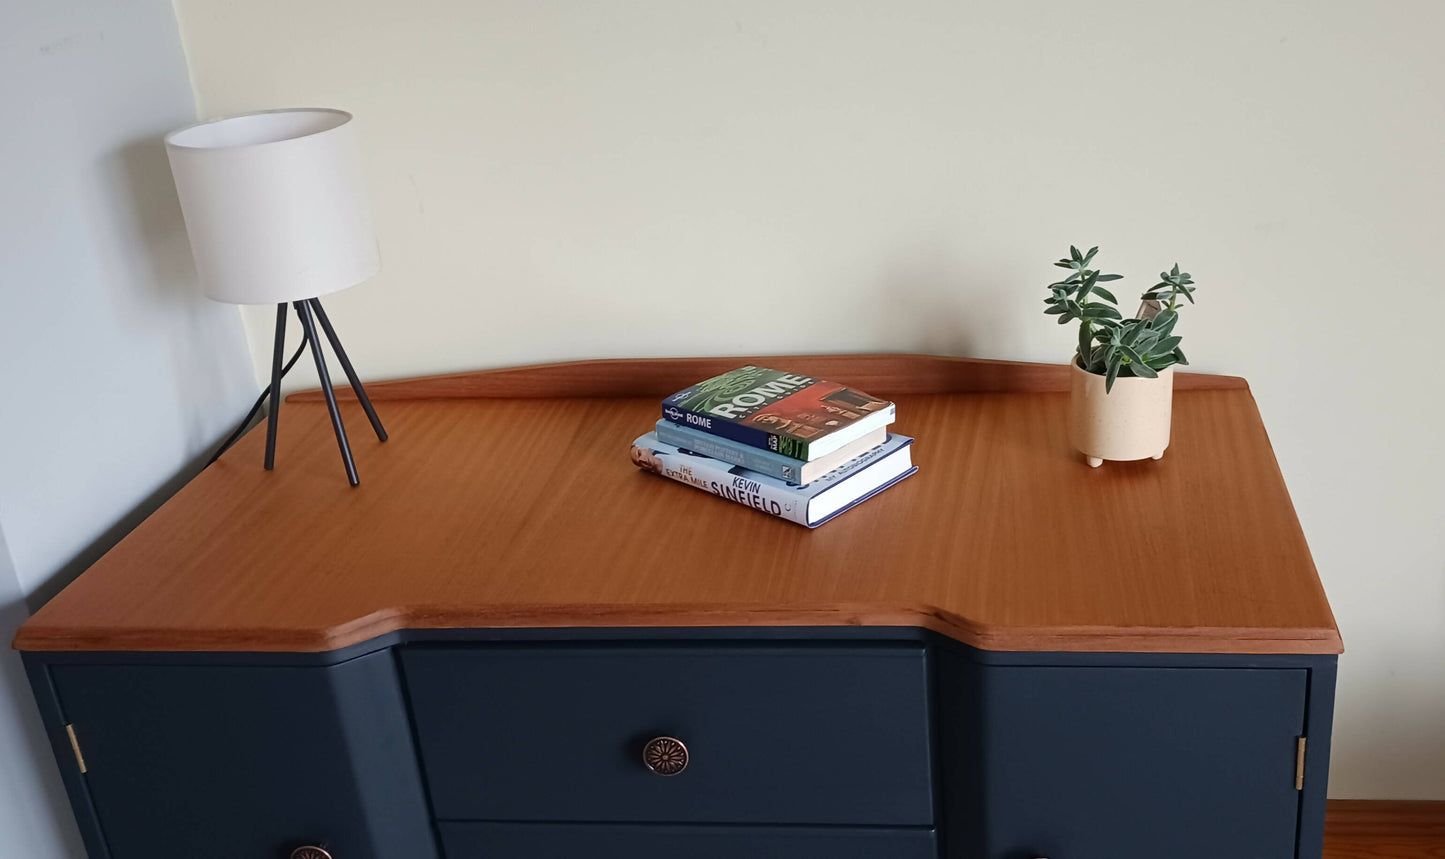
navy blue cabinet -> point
(245, 761)
(529, 746)
(1103, 762)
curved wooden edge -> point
(1055, 639)
(885, 374)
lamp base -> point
(305, 310)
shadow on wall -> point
(153, 297)
(159, 284)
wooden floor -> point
(1356, 829)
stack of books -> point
(794, 446)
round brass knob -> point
(665, 755)
(310, 852)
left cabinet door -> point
(248, 761)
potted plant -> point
(1123, 372)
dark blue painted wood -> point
(778, 734)
(612, 841)
(54, 720)
(248, 762)
(1008, 769)
(1121, 763)
(1319, 719)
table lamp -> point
(276, 210)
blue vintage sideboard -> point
(508, 642)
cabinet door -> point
(1136, 763)
(248, 762)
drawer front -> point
(798, 734)
(602, 841)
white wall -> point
(566, 180)
(115, 375)
(34, 818)
(115, 372)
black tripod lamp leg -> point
(273, 415)
(350, 371)
(303, 310)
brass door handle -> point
(665, 755)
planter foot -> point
(1094, 461)
(1159, 455)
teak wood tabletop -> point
(507, 499)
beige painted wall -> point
(568, 180)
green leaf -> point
(1056, 310)
(1063, 263)
(1111, 373)
(1179, 357)
(1104, 293)
(1109, 277)
(1133, 356)
(1166, 346)
(1075, 255)
(1090, 255)
(1175, 271)
(1142, 369)
(1100, 311)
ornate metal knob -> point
(665, 756)
(310, 852)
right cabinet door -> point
(1119, 763)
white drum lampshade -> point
(275, 205)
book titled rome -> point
(787, 413)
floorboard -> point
(1380, 829)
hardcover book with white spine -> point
(765, 461)
(811, 505)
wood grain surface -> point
(1381, 829)
(890, 375)
(491, 512)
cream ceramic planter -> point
(1130, 422)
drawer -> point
(621, 841)
(800, 734)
